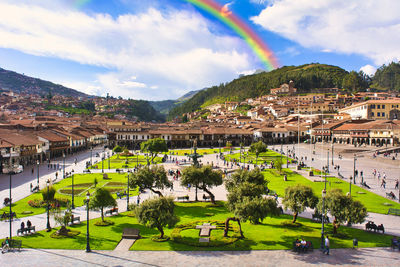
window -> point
(379, 106)
(373, 106)
(383, 106)
(372, 114)
(383, 114)
(378, 114)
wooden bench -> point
(26, 230)
(86, 171)
(7, 215)
(394, 211)
(76, 219)
(297, 247)
(131, 233)
(111, 211)
(183, 198)
(13, 244)
(205, 198)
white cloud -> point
(368, 69)
(366, 27)
(172, 50)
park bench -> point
(26, 230)
(318, 218)
(111, 211)
(76, 219)
(205, 198)
(7, 215)
(131, 233)
(297, 247)
(183, 198)
(394, 211)
(120, 195)
(86, 171)
(390, 195)
(395, 243)
(14, 244)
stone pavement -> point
(338, 257)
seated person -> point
(29, 224)
(22, 225)
(392, 195)
(303, 243)
(6, 245)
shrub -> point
(48, 193)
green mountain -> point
(165, 106)
(306, 78)
(387, 78)
(19, 83)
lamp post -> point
(91, 155)
(351, 178)
(72, 204)
(332, 153)
(48, 207)
(327, 165)
(127, 187)
(87, 222)
(219, 143)
(108, 155)
(11, 172)
(323, 194)
(63, 165)
(354, 168)
(102, 163)
(37, 163)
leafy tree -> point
(63, 218)
(278, 165)
(150, 178)
(48, 193)
(157, 213)
(154, 146)
(102, 199)
(258, 148)
(387, 77)
(245, 197)
(117, 149)
(298, 198)
(343, 208)
(352, 81)
(204, 178)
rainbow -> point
(259, 47)
(242, 29)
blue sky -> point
(161, 49)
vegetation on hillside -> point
(387, 77)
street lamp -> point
(351, 178)
(219, 143)
(63, 165)
(127, 185)
(287, 157)
(37, 163)
(354, 168)
(48, 207)
(87, 222)
(72, 176)
(11, 172)
(102, 162)
(332, 153)
(91, 155)
(108, 155)
(323, 194)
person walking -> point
(396, 186)
(327, 244)
(138, 200)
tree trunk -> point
(335, 225)
(210, 194)
(227, 226)
(196, 199)
(102, 214)
(295, 217)
(156, 192)
(63, 231)
(161, 232)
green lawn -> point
(270, 235)
(268, 156)
(118, 162)
(82, 183)
(373, 202)
(201, 151)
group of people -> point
(28, 225)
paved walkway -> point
(338, 257)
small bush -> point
(104, 223)
(71, 234)
(156, 238)
(289, 223)
(48, 193)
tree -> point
(298, 198)
(343, 208)
(117, 149)
(258, 148)
(204, 178)
(150, 178)
(63, 219)
(157, 213)
(278, 165)
(48, 193)
(154, 146)
(245, 198)
(102, 199)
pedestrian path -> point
(125, 244)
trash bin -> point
(355, 243)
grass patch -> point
(267, 157)
(119, 162)
(373, 202)
(64, 191)
(200, 151)
(269, 235)
(70, 234)
(104, 223)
